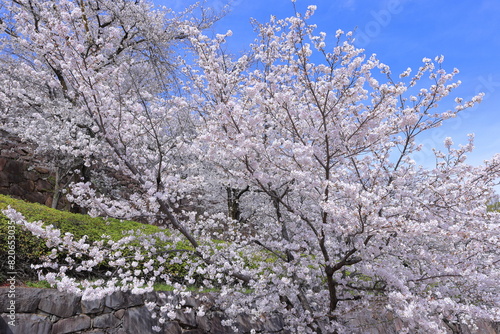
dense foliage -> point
(32, 250)
(285, 175)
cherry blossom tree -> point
(75, 74)
(352, 221)
(332, 220)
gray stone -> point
(4, 180)
(186, 318)
(172, 328)
(9, 154)
(108, 310)
(3, 161)
(138, 320)
(4, 298)
(15, 169)
(118, 300)
(58, 303)
(115, 301)
(134, 300)
(4, 327)
(70, 325)
(119, 314)
(35, 197)
(273, 323)
(17, 190)
(203, 323)
(92, 306)
(216, 324)
(105, 321)
(28, 185)
(244, 323)
(194, 331)
(42, 170)
(191, 301)
(43, 185)
(28, 323)
(27, 300)
(150, 296)
(121, 331)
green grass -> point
(38, 284)
(167, 287)
(30, 249)
(76, 224)
(157, 287)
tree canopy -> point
(285, 176)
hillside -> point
(29, 249)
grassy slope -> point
(29, 249)
(77, 224)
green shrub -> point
(30, 249)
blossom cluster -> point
(284, 178)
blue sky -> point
(401, 33)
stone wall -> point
(27, 176)
(48, 311)
(22, 175)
